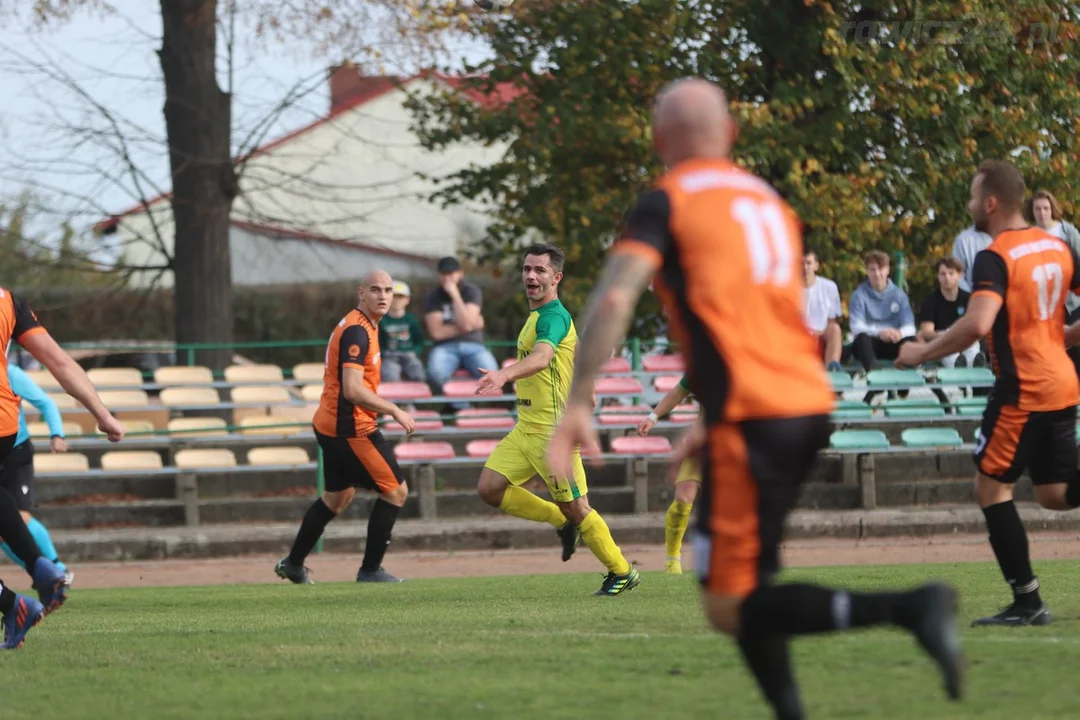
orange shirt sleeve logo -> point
(354, 351)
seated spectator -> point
(881, 317)
(943, 307)
(400, 339)
(969, 243)
(455, 324)
(823, 311)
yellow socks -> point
(523, 504)
(596, 535)
(675, 522)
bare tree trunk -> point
(198, 122)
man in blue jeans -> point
(455, 324)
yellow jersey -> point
(541, 398)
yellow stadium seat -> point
(41, 430)
(64, 401)
(183, 375)
(312, 393)
(44, 379)
(309, 372)
(278, 456)
(253, 374)
(194, 458)
(45, 463)
(270, 425)
(190, 397)
(136, 426)
(125, 399)
(197, 426)
(297, 413)
(116, 377)
(131, 460)
(261, 394)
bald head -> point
(691, 120)
(375, 293)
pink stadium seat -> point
(685, 413)
(664, 383)
(617, 386)
(462, 373)
(424, 451)
(426, 421)
(623, 414)
(634, 445)
(615, 365)
(460, 388)
(508, 362)
(404, 390)
(482, 419)
(480, 448)
(663, 363)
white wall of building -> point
(354, 177)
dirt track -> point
(342, 567)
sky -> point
(71, 91)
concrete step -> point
(142, 513)
(500, 532)
(52, 490)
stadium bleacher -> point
(252, 430)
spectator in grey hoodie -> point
(880, 312)
(1044, 211)
(969, 243)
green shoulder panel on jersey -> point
(552, 323)
(684, 383)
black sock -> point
(798, 609)
(379, 527)
(768, 659)
(15, 533)
(7, 599)
(1010, 543)
(311, 529)
(1072, 491)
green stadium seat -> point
(848, 409)
(841, 381)
(890, 379)
(858, 440)
(914, 408)
(964, 376)
(972, 406)
(931, 437)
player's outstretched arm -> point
(667, 403)
(537, 360)
(607, 317)
(73, 379)
(975, 323)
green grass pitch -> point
(521, 647)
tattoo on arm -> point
(607, 317)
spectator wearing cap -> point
(455, 324)
(400, 339)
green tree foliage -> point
(871, 131)
(56, 260)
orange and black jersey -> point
(17, 321)
(1032, 272)
(353, 344)
(728, 251)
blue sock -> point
(12, 556)
(41, 537)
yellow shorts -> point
(521, 455)
(689, 471)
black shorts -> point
(17, 475)
(1012, 440)
(364, 462)
(752, 473)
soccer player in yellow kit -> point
(687, 482)
(543, 372)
